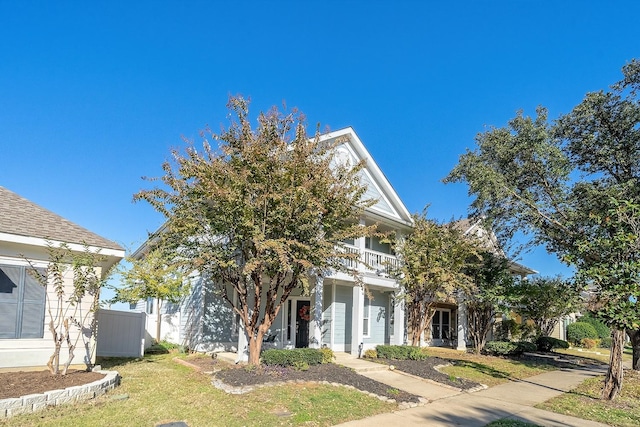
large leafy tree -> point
(152, 276)
(434, 260)
(544, 300)
(561, 184)
(491, 294)
(260, 211)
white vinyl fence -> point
(121, 333)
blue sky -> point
(94, 95)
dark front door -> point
(303, 316)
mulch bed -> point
(427, 369)
(22, 383)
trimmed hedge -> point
(508, 348)
(578, 331)
(293, 357)
(400, 352)
(547, 344)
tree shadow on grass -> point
(484, 369)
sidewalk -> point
(513, 400)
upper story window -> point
(22, 303)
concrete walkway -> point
(447, 407)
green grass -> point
(603, 355)
(157, 390)
(488, 370)
(506, 422)
(584, 402)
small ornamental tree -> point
(434, 259)
(490, 295)
(152, 277)
(260, 212)
(76, 281)
(544, 300)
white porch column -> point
(463, 325)
(398, 322)
(356, 319)
(315, 336)
(243, 344)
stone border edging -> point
(36, 402)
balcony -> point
(370, 261)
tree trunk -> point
(255, 341)
(613, 380)
(634, 336)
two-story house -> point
(338, 312)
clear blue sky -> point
(93, 96)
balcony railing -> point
(370, 261)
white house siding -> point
(378, 320)
(36, 351)
(342, 321)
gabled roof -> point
(388, 204)
(490, 242)
(21, 218)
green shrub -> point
(310, 356)
(547, 344)
(327, 355)
(602, 329)
(508, 348)
(578, 331)
(526, 346)
(371, 354)
(605, 342)
(400, 352)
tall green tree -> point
(560, 182)
(260, 211)
(491, 294)
(544, 300)
(155, 277)
(434, 259)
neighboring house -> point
(449, 325)
(338, 313)
(25, 229)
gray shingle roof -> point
(24, 218)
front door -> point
(303, 316)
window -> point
(374, 244)
(150, 305)
(22, 303)
(366, 316)
(440, 325)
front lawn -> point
(584, 402)
(157, 390)
(599, 354)
(488, 370)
